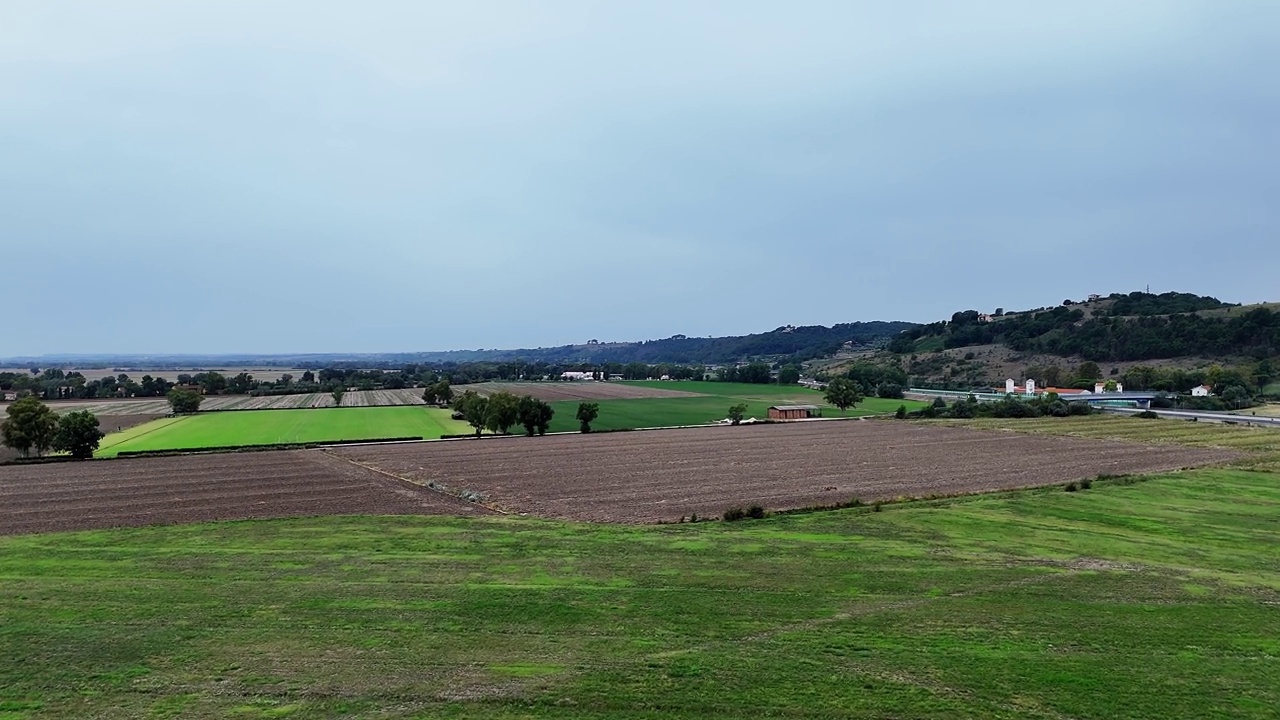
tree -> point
(535, 415)
(183, 401)
(441, 391)
(337, 394)
(889, 390)
(587, 413)
(1236, 397)
(78, 434)
(503, 412)
(31, 424)
(788, 375)
(1088, 370)
(474, 407)
(736, 412)
(212, 382)
(1110, 386)
(843, 393)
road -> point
(1250, 420)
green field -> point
(664, 412)
(266, 427)
(1148, 600)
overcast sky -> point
(397, 176)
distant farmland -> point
(268, 427)
(293, 418)
(160, 406)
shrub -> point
(734, 514)
(889, 390)
(755, 512)
(1086, 484)
(875, 508)
(1071, 487)
(1147, 415)
(901, 414)
(1079, 408)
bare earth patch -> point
(580, 390)
(663, 475)
(196, 488)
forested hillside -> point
(1138, 326)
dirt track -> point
(662, 475)
(193, 488)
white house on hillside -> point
(1101, 387)
(1201, 391)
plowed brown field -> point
(663, 475)
(580, 390)
(144, 491)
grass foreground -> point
(1128, 600)
(268, 427)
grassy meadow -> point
(718, 396)
(1128, 600)
(266, 427)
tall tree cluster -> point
(30, 425)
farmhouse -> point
(1101, 387)
(1201, 391)
(792, 412)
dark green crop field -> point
(1155, 599)
(712, 406)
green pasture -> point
(718, 397)
(1155, 599)
(267, 427)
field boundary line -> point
(172, 420)
(414, 483)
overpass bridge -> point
(1140, 400)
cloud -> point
(322, 177)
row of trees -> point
(499, 412)
(56, 384)
(1047, 405)
(32, 425)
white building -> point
(571, 375)
(1101, 387)
(1201, 391)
